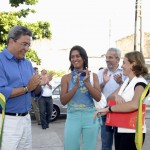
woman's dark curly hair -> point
(82, 53)
(137, 58)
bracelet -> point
(26, 89)
(109, 108)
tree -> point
(57, 74)
(16, 3)
(39, 29)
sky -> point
(84, 22)
(92, 24)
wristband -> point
(26, 89)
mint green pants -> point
(81, 131)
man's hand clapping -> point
(34, 82)
(106, 78)
(118, 78)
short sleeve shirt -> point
(111, 85)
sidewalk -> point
(52, 138)
(45, 139)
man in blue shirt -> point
(18, 82)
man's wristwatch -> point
(26, 89)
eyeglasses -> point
(111, 58)
(24, 44)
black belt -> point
(16, 114)
(47, 96)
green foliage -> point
(7, 20)
(57, 73)
(32, 55)
(39, 29)
(24, 12)
(2, 46)
(16, 3)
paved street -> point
(52, 138)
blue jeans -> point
(81, 128)
(45, 108)
(106, 135)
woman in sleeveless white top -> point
(127, 97)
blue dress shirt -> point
(14, 74)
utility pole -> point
(109, 33)
(138, 26)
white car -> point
(58, 108)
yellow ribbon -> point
(139, 133)
(3, 105)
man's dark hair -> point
(35, 68)
(16, 32)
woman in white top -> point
(127, 97)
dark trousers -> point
(45, 108)
(125, 141)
